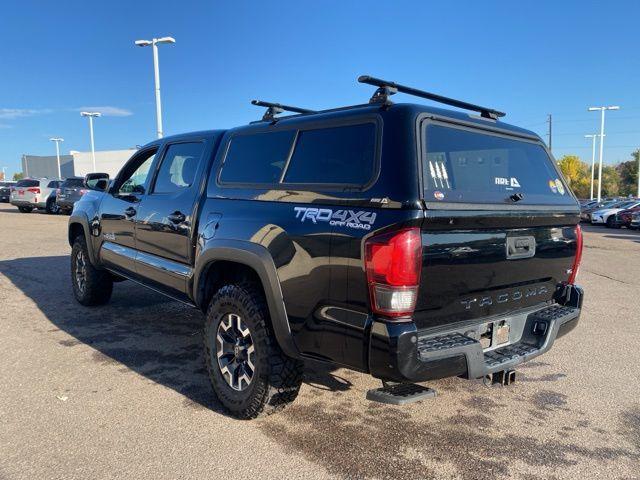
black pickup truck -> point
(400, 240)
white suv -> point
(32, 193)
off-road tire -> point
(52, 207)
(98, 284)
(276, 379)
(25, 209)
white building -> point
(107, 161)
(75, 164)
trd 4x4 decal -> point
(339, 218)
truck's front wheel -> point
(91, 286)
(250, 374)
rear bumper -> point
(66, 204)
(22, 203)
(27, 203)
(402, 353)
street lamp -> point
(156, 70)
(4, 173)
(602, 110)
(58, 140)
(93, 150)
(593, 159)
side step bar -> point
(400, 393)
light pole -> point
(602, 110)
(93, 149)
(57, 140)
(593, 159)
(4, 173)
(156, 71)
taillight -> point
(578, 257)
(83, 191)
(393, 262)
(33, 190)
(58, 191)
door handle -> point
(130, 212)
(176, 217)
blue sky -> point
(526, 58)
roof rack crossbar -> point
(274, 109)
(386, 89)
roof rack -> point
(274, 109)
(386, 89)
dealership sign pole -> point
(57, 140)
(93, 149)
(593, 160)
(156, 75)
(602, 110)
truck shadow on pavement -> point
(138, 331)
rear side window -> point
(340, 155)
(53, 184)
(73, 183)
(179, 166)
(28, 183)
(468, 166)
(258, 158)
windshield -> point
(464, 165)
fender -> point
(258, 258)
(80, 218)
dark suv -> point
(404, 241)
(69, 192)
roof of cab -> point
(410, 109)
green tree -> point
(577, 175)
(628, 172)
(18, 176)
(610, 181)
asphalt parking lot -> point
(120, 391)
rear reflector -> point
(83, 191)
(578, 257)
(393, 262)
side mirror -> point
(97, 181)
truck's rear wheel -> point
(250, 374)
(91, 286)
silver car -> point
(33, 193)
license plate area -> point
(495, 334)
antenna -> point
(274, 109)
(387, 88)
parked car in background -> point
(36, 193)
(587, 210)
(606, 215)
(623, 218)
(5, 191)
(635, 221)
(70, 191)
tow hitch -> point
(503, 377)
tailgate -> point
(492, 263)
(499, 228)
